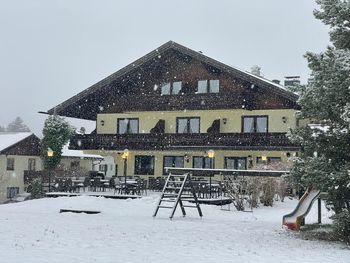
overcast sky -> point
(51, 50)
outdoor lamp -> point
(125, 154)
(211, 153)
(264, 158)
(49, 152)
(125, 157)
(50, 155)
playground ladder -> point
(173, 193)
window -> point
(144, 165)
(202, 86)
(173, 161)
(211, 86)
(254, 124)
(103, 168)
(214, 86)
(31, 164)
(237, 163)
(171, 88)
(10, 164)
(74, 164)
(203, 162)
(128, 126)
(12, 191)
(165, 89)
(269, 160)
(176, 87)
(187, 125)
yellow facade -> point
(279, 121)
(230, 120)
(218, 161)
(15, 178)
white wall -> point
(109, 163)
(14, 178)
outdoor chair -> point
(67, 185)
(117, 185)
(96, 184)
(111, 183)
(152, 184)
(79, 185)
(58, 185)
(86, 183)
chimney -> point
(256, 70)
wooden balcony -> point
(223, 141)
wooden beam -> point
(230, 172)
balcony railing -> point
(238, 141)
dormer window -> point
(211, 86)
(214, 86)
(171, 88)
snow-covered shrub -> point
(57, 132)
(268, 191)
(35, 188)
(341, 225)
(253, 187)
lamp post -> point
(50, 155)
(125, 158)
(211, 155)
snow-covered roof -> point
(8, 139)
(62, 109)
(79, 154)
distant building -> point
(20, 157)
(277, 81)
(18, 153)
(291, 81)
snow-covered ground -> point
(124, 231)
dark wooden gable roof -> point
(132, 87)
(29, 146)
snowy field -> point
(35, 231)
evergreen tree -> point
(325, 160)
(56, 133)
(17, 126)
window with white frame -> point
(187, 125)
(128, 126)
(211, 86)
(254, 124)
(171, 88)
